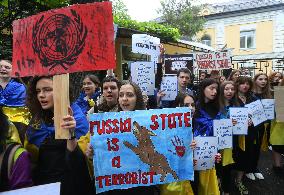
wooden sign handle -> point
(61, 104)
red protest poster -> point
(72, 39)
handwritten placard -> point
(269, 108)
(279, 103)
(241, 116)
(145, 44)
(256, 112)
(175, 62)
(223, 129)
(170, 87)
(47, 189)
(142, 73)
(213, 61)
(204, 153)
(141, 148)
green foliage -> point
(120, 10)
(183, 15)
(163, 31)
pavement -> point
(271, 185)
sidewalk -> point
(271, 185)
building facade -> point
(252, 29)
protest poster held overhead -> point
(145, 44)
(141, 148)
(175, 62)
(213, 61)
(71, 39)
(143, 74)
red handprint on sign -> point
(179, 146)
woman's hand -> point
(90, 151)
(218, 158)
(69, 122)
(234, 121)
(193, 145)
(250, 123)
(160, 94)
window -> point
(247, 39)
(206, 40)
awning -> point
(259, 57)
(195, 46)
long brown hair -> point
(266, 91)
(39, 114)
(140, 105)
(232, 73)
(233, 101)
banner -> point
(223, 129)
(72, 39)
(175, 62)
(213, 61)
(241, 115)
(141, 148)
(143, 74)
(204, 153)
(169, 86)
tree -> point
(183, 15)
(120, 10)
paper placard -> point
(205, 151)
(269, 108)
(241, 115)
(256, 112)
(223, 129)
(279, 103)
(170, 87)
(142, 73)
(145, 44)
(48, 189)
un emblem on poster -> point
(59, 39)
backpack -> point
(6, 164)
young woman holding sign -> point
(130, 99)
(228, 99)
(245, 158)
(261, 90)
(207, 110)
(277, 143)
(12, 98)
(91, 91)
(56, 160)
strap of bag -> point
(6, 164)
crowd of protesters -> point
(30, 154)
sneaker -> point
(241, 187)
(250, 176)
(258, 175)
